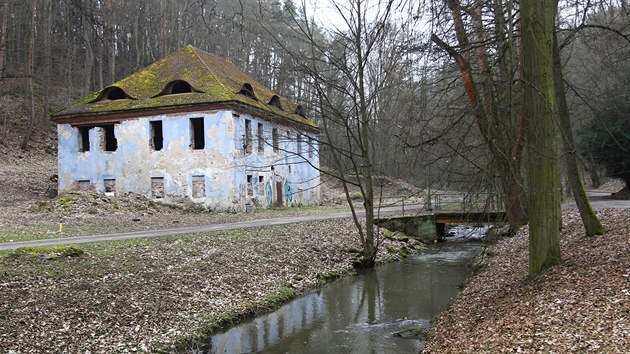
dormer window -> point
(112, 93)
(176, 87)
(299, 110)
(275, 102)
(247, 90)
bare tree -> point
(493, 90)
(350, 77)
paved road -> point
(598, 200)
(196, 229)
(601, 200)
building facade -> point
(190, 127)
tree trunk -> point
(3, 35)
(47, 59)
(543, 173)
(29, 68)
(591, 223)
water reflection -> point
(358, 314)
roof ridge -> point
(214, 75)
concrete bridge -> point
(446, 208)
(429, 227)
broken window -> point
(84, 139)
(250, 186)
(157, 135)
(108, 139)
(197, 135)
(199, 186)
(248, 136)
(110, 185)
(83, 184)
(276, 140)
(157, 187)
(299, 144)
(261, 185)
(261, 141)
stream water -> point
(360, 314)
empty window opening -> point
(181, 87)
(84, 139)
(248, 136)
(199, 186)
(250, 186)
(112, 93)
(108, 140)
(197, 134)
(299, 144)
(247, 90)
(275, 101)
(83, 184)
(299, 110)
(116, 93)
(157, 135)
(289, 168)
(157, 187)
(261, 140)
(261, 185)
(110, 185)
(276, 140)
(176, 87)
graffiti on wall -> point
(288, 193)
(268, 195)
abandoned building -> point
(191, 126)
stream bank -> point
(144, 294)
(385, 309)
(581, 305)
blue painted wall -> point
(223, 161)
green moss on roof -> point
(218, 81)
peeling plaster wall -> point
(223, 162)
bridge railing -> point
(466, 201)
(451, 201)
(405, 202)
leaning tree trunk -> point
(543, 172)
(591, 223)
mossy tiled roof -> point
(217, 81)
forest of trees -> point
(431, 92)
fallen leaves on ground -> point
(580, 305)
(136, 295)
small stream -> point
(360, 314)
